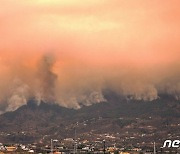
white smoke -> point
(19, 94)
(141, 91)
(76, 101)
(173, 90)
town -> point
(138, 137)
(68, 146)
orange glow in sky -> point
(95, 41)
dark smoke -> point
(47, 79)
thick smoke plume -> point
(51, 79)
(47, 79)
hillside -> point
(31, 122)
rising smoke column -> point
(46, 79)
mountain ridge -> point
(47, 118)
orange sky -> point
(95, 41)
(124, 30)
